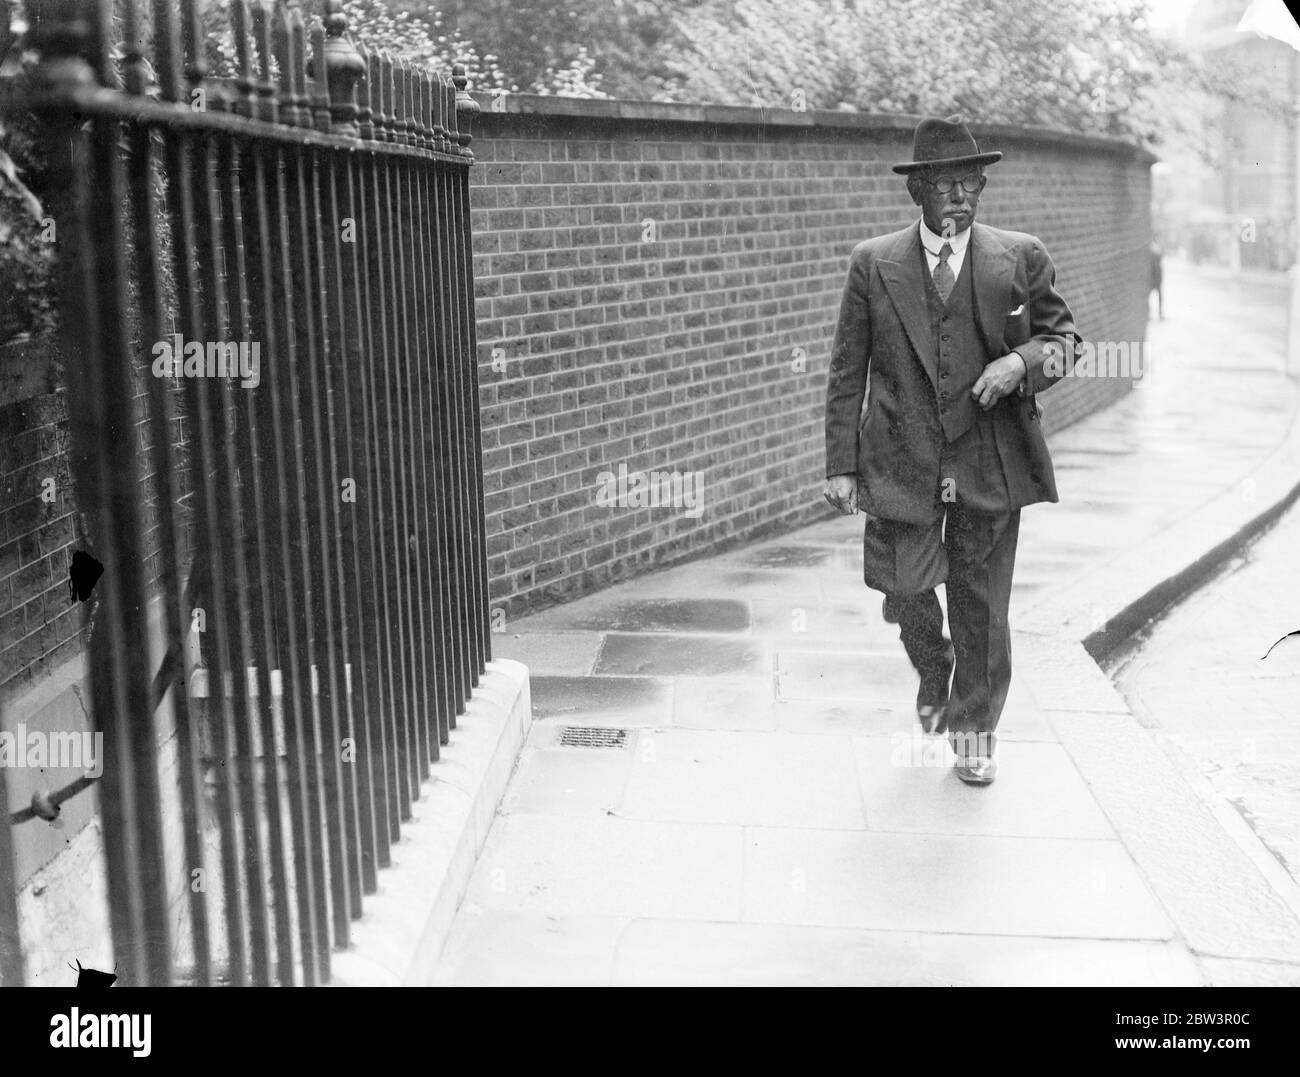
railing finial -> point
(343, 69)
(63, 34)
(466, 108)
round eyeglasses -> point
(969, 184)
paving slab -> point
(571, 654)
(629, 701)
(666, 615)
(851, 619)
(554, 780)
(884, 678)
(613, 867)
(771, 779)
(1023, 717)
(631, 654)
(908, 785)
(736, 703)
(803, 586)
(688, 952)
(967, 884)
(789, 555)
(492, 948)
(837, 717)
(689, 580)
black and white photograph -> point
(651, 493)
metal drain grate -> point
(583, 736)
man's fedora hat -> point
(942, 143)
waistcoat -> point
(961, 354)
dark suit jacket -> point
(884, 348)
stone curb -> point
(1226, 894)
(400, 936)
(1111, 602)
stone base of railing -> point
(399, 938)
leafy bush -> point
(26, 256)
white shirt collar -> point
(934, 243)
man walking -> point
(946, 328)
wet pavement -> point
(771, 814)
(1214, 407)
(1199, 677)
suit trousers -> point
(981, 553)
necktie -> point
(943, 277)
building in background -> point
(1228, 196)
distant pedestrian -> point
(950, 324)
(1157, 278)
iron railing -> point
(316, 526)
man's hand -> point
(999, 379)
(842, 492)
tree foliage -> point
(1084, 66)
(1090, 66)
(423, 36)
(427, 34)
(628, 46)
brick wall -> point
(657, 288)
(39, 626)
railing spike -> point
(388, 83)
(375, 82)
(365, 88)
(401, 101)
(245, 73)
(447, 103)
(441, 142)
(264, 35)
(426, 109)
